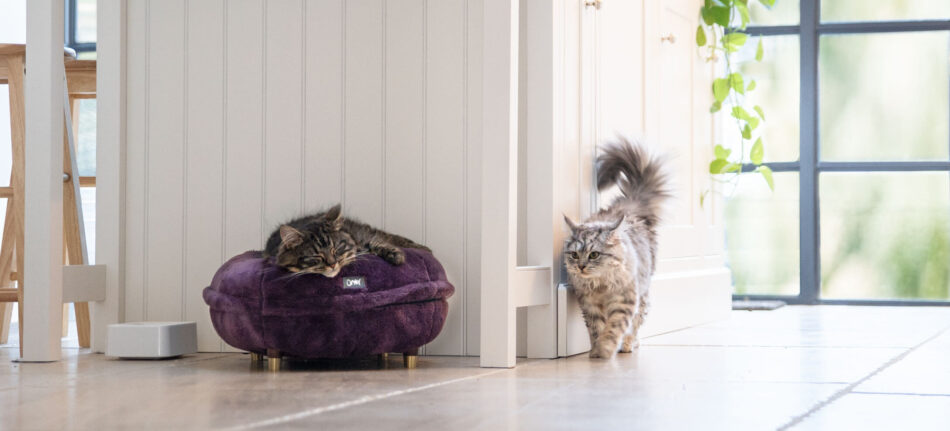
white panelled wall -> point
(244, 113)
(241, 114)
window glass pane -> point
(86, 140)
(762, 235)
(783, 12)
(884, 10)
(884, 96)
(85, 21)
(885, 235)
(776, 91)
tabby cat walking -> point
(611, 256)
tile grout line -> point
(359, 401)
(848, 389)
(902, 394)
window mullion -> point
(808, 132)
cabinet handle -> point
(668, 38)
(594, 3)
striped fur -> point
(611, 256)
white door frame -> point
(110, 165)
(43, 201)
(506, 285)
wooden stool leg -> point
(15, 66)
(72, 229)
(273, 360)
(6, 265)
(6, 319)
(409, 358)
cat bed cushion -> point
(256, 305)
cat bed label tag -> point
(354, 282)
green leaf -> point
(702, 198)
(757, 152)
(722, 166)
(740, 113)
(759, 51)
(767, 3)
(747, 132)
(716, 166)
(751, 86)
(721, 152)
(700, 36)
(736, 82)
(720, 89)
(716, 106)
(758, 110)
(743, 13)
(720, 15)
(733, 41)
(753, 122)
(767, 174)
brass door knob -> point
(592, 3)
(668, 38)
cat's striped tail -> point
(641, 177)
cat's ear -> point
(570, 223)
(290, 237)
(335, 216)
(617, 224)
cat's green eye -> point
(573, 255)
(593, 255)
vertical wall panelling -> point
(244, 116)
(165, 156)
(363, 133)
(283, 106)
(324, 106)
(445, 142)
(204, 157)
(405, 124)
(242, 113)
(135, 198)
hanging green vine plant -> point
(719, 37)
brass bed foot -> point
(409, 358)
(273, 360)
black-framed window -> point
(857, 95)
(80, 27)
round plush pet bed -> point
(370, 308)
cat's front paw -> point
(600, 352)
(395, 256)
(629, 345)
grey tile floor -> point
(807, 368)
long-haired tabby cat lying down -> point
(325, 242)
(611, 256)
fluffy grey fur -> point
(611, 256)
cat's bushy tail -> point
(641, 177)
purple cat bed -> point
(259, 307)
